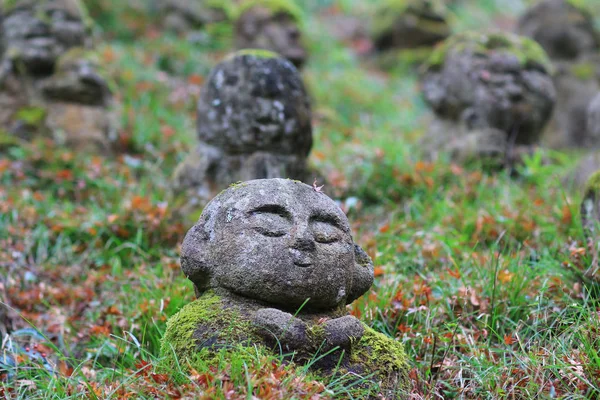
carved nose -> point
(302, 239)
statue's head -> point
(271, 25)
(277, 241)
(35, 33)
(255, 101)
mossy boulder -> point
(410, 24)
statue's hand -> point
(342, 331)
(279, 326)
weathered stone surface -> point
(254, 121)
(564, 29)
(482, 86)
(410, 24)
(183, 16)
(272, 25)
(273, 263)
(50, 82)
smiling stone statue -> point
(274, 264)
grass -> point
(477, 274)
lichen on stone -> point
(528, 52)
(276, 6)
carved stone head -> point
(277, 241)
(36, 33)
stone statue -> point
(410, 24)
(274, 264)
(491, 95)
(50, 81)
(271, 25)
(254, 121)
(567, 33)
(183, 16)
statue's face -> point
(37, 36)
(282, 244)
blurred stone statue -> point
(491, 96)
(50, 80)
(254, 121)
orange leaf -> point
(196, 79)
(508, 339)
(378, 271)
(454, 273)
(505, 276)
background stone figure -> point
(182, 16)
(275, 258)
(409, 24)
(491, 95)
(566, 31)
(254, 121)
(50, 82)
(271, 25)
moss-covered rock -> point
(528, 52)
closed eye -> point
(269, 232)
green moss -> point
(258, 53)
(526, 50)
(383, 356)
(585, 71)
(316, 333)
(391, 10)
(8, 140)
(33, 116)
(178, 346)
(276, 6)
(593, 184)
(581, 5)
